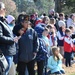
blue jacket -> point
(27, 45)
(54, 65)
(42, 52)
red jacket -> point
(67, 44)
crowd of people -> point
(45, 42)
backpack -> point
(3, 64)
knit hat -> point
(10, 18)
(61, 23)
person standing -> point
(60, 36)
(7, 40)
(27, 47)
(68, 44)
(11, 23)
(42, 53)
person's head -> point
(46, 20)
(52, 21)
(56, 15)
(52, 12)
(72, 29)
(21, 31)
(62, 25)
(72, 16)
(49, 27)
(66, 17)
(45, 32)
(2, 9)
(36, 15)
(56, 53)
(19, 18)
(44, 14)
(24, 21)
(68, 32)
(61, 16)
(10, 19)
(18, 30)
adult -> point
(7, 40)
(11, 23)
(27, 47)
(71, 21)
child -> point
(60, 36)
(55, 62)
(53, 38)
(42, 50)
(45, 38)
(67, 47)
(49, 28)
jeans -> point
(10, 61)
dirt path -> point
(69, 70)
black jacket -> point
(7, 44)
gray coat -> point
(27, 45)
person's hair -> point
(2, 5)
(71, 27)
(46, 29)
(49, 26)
(71, 15)
(22, 17)
(66, 17)
(61, 14)
(55, 48)
(67, 30)
(46, 17)
(52, 21)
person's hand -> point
(16, 39)
(34, 54)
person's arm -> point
(50, 64)
(35, 43)
(5, 39)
